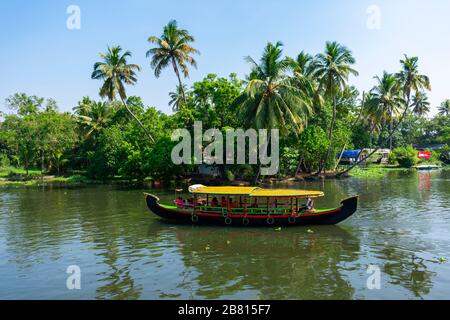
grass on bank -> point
(375, 171)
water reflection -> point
(292, 263)
(127, 253)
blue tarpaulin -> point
(350, 154)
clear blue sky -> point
(41, 56)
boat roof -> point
(255, 192)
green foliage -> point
(159, 163)
(406, 157)
(313, 145)
(308, 98)
(229, 175)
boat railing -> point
(224, 210)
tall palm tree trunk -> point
(177, 72)
(137, 120)
(391, 133)
(330, 148)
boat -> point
(428, 167)
(251, 206)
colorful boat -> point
(251, 206)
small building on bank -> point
(381, 156)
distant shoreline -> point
(371, 172)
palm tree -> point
(177, 98)
(411, 82)
(386, 101)
(270, 99)
(372, 119)
(420, 104)
(83, 107)
(95, 118)
(303, 68)
(332, 69)
(410, 78)
(173, 48)
(444, 108)
(115, 72)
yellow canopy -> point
(224, 190)
(286, 193)
(256, 192)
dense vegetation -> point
(307, 97)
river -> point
(400, 232)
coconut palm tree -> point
(173, 48)
(410, 82)
(95, 118)
(270, 99)
(177, 98)
(332, 69)
(420, 104)
(386, 102)
(410, 78)
(444, 108)
(115, 72)
(303, 68)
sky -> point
(41, 56)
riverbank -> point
(18, 176)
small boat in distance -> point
(428, 167)
(251, 206)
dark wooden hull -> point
(330, 217)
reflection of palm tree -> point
(284, 267)
(408, 271)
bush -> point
(229, 175)
(4, 161)
(406, 157)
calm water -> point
(124, 252)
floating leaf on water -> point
(442, 260)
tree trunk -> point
(300, 161)
(390, 133)
(330, 148)
(175, 68)
(42, 162)
(137, 120)
(26, 166)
